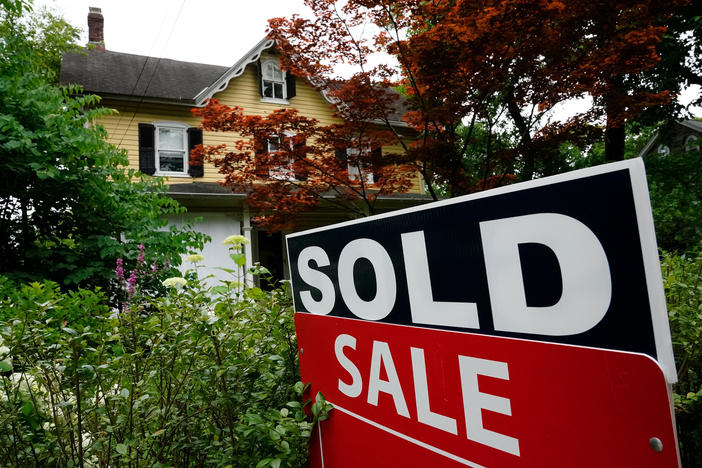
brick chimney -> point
(96, 22)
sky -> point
(216, 32)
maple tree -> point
(480, 80)
(289, 163)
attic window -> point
(273, 80)
(276, 85)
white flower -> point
(194, 258)
(175, 282)
(236, 240)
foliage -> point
(196, 377)
(473, 62)
(68, 206)
(289, 163)
(675, 185)
(45, 34)
(682, 277)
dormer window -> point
(273, 80)
(276, 85)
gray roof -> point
(128, 75)
(693, 124)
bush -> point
(192, 377)
(682, 277)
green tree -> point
(45, 34)
(68, 207)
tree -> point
(68, 208)
(45, 34)
(459, 60)
(288, 163)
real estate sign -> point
(521, 326)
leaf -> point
(239, 258)
(121, 449)
(276, 463)
(5, 366)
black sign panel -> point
(567, 259)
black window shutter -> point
(301, 173)
(260, 147)
(376, 154)
(260, 78)
(195, 138)
(147, 153)
(341, 155)
(290, 85)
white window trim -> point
(692, 143)
(355, 171)
(280, 172)
(274, 100)
(186, 158)
(663, 150)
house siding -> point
(122, 128)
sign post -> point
(521, 326)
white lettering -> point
(474, 402)
(316, 279)
(587, 285)
(381, 356)
(421, 393)
(356, 386)
(422, 304)
(386, 288)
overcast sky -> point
(217, 32)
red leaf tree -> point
(289, 163)
(478, 82)
(467, 61)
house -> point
(682, 136)
(154, 96)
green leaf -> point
(239, 258)
(121, 449)
(276, 463)
(5, 366)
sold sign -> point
(568, 261)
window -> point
(274, 144)
(663, 150)
(273, 80)
(692, 143)
(356, 169)
(171, 148)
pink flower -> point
(119, 271)
(132, 282)
(154, 268)
(140, 257)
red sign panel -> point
(408, 396)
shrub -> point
(193, 376)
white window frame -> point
(663, 150)
(283, 82)
(281, 172)
(157, 156)
(692, 143)
(356, 171)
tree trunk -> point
(615, 132)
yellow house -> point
(154, 124)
